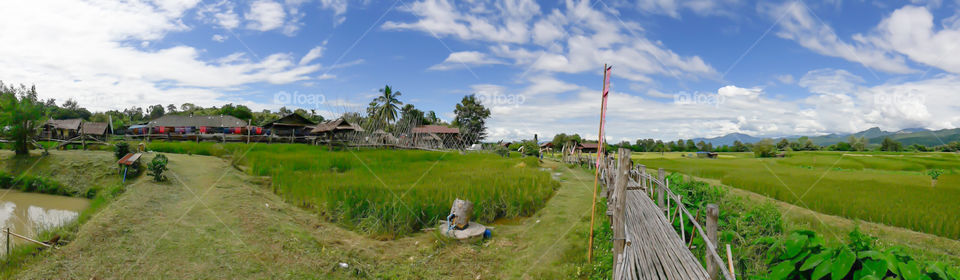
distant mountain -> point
(923, 137)
(833, 138)
(875, 135)
(728, 139)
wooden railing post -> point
(641, 180)
(661, 194)
(713, 213)
(619, 219)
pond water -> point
(28, 213)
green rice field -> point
(887, 188)
(389, 192)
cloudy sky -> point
(681, 69)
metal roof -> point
(198, 121)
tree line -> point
(22, 113)
(766, 147)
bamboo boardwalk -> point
(655, 251)
(645, 243)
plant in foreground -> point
(804, 255)
(157, 166)
(934, 174)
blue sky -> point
(681, 69)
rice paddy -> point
(887, 188)
(389, 193)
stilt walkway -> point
(645, 243)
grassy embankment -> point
(388, 193)
(61, 173)
(211, 221)
(885, 188)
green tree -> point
(155, 111)
(783, 144)
(238, 111)
(739, 146)
(388, 103)
(890, 145)
(765, 148)
(691, 147)
(411, 117)
(21, 115)
(471, 119)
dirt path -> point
(212, 221)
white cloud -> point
(830, 81)
(440, 17)
(314, 53)
(219, 38)
(573, 38)
(798, 24)
(113, 74)
(339, 8)
(910, 31)
(838, 103)
(673, 7)
(265, 15)
(464, 59)
(786, 79)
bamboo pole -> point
(730, 262)
(596, 173)
(25, 238)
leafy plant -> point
(121, 149)
(157, 166)
(934, 174)
(804, 255)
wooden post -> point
(620, 199)
(8, 245)
(643, 183)
(713, 213)
(248, 131)
(661, 194)
(683, 233)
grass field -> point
(886, 188)
(389, 192)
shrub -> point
(121, 149)
(157, 166)
(804, 255)
(502, 151)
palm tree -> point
(388, 104)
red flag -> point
(603, 112)
(606, 82)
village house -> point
(336, 130)
(291, 125)
(61, 129)
(435, 136)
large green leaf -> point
(815, 260)
(843, 264)
(909, 270)
(795, 243)
(876, 268)
(822, 270)
(937, 269)
(781, 271)
(870, 254)
(954, 273)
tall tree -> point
(388, 104)
(21, 115)
(471, 118)
(155, 111)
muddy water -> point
(28, 213)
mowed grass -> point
(389, 193)
(886, 188)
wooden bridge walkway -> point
(645, 243)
